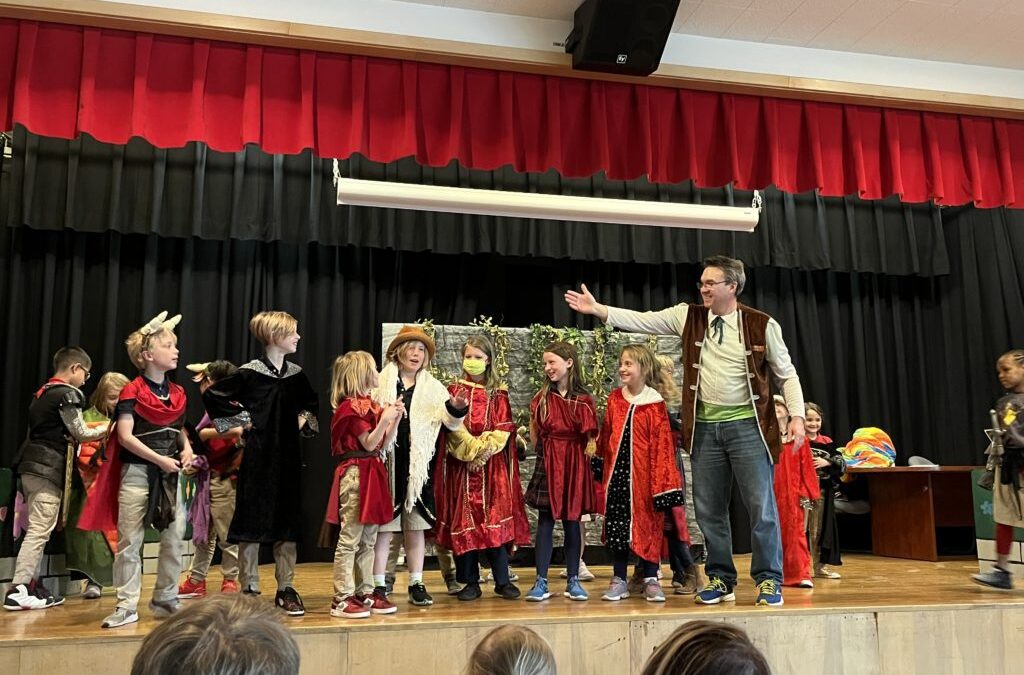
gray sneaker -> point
(995, 578)
(121, 617)
(617, 590)
(653, 592)
(164, 609)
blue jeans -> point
(723, 451)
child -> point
(1007, 494)
(636, 453)
(563, 424)
(360, 499)
(796, 487)
(409, 453)
(512, 650)
(44, 462)
(92, 553)
(705, 647)
(273, 400)
(147, 449)
(215, 504)
(821, 525)
(478, 495)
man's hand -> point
(585, 303)
(797, 433)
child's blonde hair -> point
(512, 650)
(655, 375)
(269, 327)
(484, 344)
(110, 382)
(139, 342)
(351, 375)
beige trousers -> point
(222, 510)
(353, 558)
(43, 501)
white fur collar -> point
(646, 395)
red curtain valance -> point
(60, 80)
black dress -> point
(268, 502)
(828, 480)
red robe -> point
(654, 485)
(483, 509)
(795, 478)
(564, 433)
(354, 417)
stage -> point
(884, 616)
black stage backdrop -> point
(912, 354)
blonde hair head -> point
(512, 650)
(351, 376)
(655, 375)
(139, 342)
(269, 327)
(110, 382)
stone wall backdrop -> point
(523, 356)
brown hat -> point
(410, 334)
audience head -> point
(707, 648)
(221, 635)
(512, 650)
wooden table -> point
(909, 502)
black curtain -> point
(914, 355)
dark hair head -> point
(731, 268)
(218, 370)
(220, 635)
(707, 648)
(816, 408)
(69, 356)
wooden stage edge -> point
(885, 615)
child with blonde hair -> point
(512, 650)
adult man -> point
(730, 353)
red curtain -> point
(60, 80)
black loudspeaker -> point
(620, 36)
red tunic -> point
(654, 486)
(482, 509)
(795, 478)
(563, 436)
(354, 417)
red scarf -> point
(151, 408)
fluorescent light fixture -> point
(383, 194)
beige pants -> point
(814, 520)
(249, 565)
(43, 500)
(222, 510)
(132, 502)
(353, 558)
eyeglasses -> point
(701, 285)
(87, 373)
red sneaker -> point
(229, 586)
(379, 603)
(349, 608)
(192, 589)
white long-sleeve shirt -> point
(723, 366)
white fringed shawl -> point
(428, 413)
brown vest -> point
(753, 327)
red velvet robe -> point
(795, 478)
(654, 481)
(570, 425)
(477, 510)
(354, 417)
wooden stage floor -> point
(885, 615)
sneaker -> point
(192, 589)
(418, 595)
(92, 591)
(715, 592)
(823, 572)
(120, 617)
(691, 581)
(635, 585)
(995, 578)
(585, 574)
(389, 583)
(574, 591)
(20, 598)
(454, 587)
(539, 592)
(290, 602)
(470, 592)
(508, 592)
(349, 608)
(164, 608)
(512, 576)
(228, 586)
(249, 590)
(805, 583)
(618, 589)
(652, 591)
(379, 603)
(40, 590)
(769, 594)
